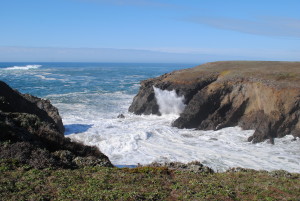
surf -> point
(26, 67)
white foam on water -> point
(91, 117)
(169, 102)
(144, 139)
(45, 78)
(27, 67)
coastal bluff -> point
(259, 95)
(32, 133)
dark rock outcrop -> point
(32, 132)
(145, 103)
(121, 116)
(13, 101)
(264, 96)
(194, 166)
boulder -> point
(121, 116)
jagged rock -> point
(264, 96)
(121, 116)
(46, 106)
(239, 169)
(146, 95)
(145, 103)
(194, 166)
(280, 173)
(69, 158)
(13, 101)
(31, 131)
(90, 161)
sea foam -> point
(147, 138)
(169, 102)
(45, 78)
(90, 99)
(27, 67)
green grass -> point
(18, 182)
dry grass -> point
(281, 72)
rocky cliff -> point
(32, 132)
(259, 95)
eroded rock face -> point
(264, 96)
(13, 101)
(145, 103)
(46, 106)
(32, 132)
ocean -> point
(90, 96)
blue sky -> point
(194, 31)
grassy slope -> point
(284, 73)
(145, 183)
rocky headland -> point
(38, 163)
(259, 95)
(32, 132)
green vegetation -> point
(286, 76)
(19, 182)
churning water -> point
(90, 96)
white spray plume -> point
(169, 102)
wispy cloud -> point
(237, 53)
(53, 54)
(268, 26)
(171, 55)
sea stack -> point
(259, 95)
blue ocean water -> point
(42, 79)
(90, 96)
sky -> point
(175, 31)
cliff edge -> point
(32, 132)
(259, 95)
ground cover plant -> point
(22, 182)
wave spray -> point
(169, 102)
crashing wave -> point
(27, 67)
(169, 102)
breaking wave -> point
(169, 102)
(27, 67)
